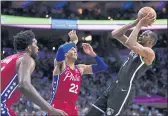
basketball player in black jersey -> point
(121, 92)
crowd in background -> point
(38, 9)
(153, 82)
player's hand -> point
(73, 36)
(87, 48)
(147, 20)
(57, 112)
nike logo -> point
(123, 90)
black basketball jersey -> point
(133, 67)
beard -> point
(33, 55)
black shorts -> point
(113, 101)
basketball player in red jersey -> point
(67, 76)
(16, 73)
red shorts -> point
(68, 107)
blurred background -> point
(151, 85)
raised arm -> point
(100, 65)
(147, 53)
(59, 61)
(131, 41)
(146, 21)
(119, 34)
(25, 70)
(73, 36)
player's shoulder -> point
(149, 51)
(9, 58)
(27, 59)
(81, 67)
(6, 58)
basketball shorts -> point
(113, 101)
(68, 107)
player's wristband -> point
(100, 66)
(62, 50)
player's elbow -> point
(60, 49)
(115, 34)
(105, 67)
(60, 54)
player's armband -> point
(100, 66)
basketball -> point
(145, 10)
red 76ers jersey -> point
(67, 85)
(9, 83)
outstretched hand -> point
(73, 36)
(148, 20)
(87, 48)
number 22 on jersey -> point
(73, 88)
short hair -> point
(23, 39)
(149, 34)
(154, 36)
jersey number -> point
(73, 88)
